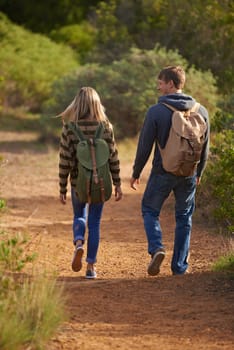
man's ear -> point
(171, 84)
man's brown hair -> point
(174, 73)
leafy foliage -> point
(45, 15)
(80, 37)
(225, 264)
(29, 64)
(218, 189)
(113, 39)
(127, 87)
(218, 179)
(203, 32)
(224, 118)
(12, 254)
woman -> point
(87, 111)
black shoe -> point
(157, 259)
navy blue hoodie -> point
(156, 128)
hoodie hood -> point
(179, 101)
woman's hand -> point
(118, 193)
(63, 198)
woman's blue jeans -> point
(82, 212)
(157, 190)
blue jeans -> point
(94, 212)
(157, 190)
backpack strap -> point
(94, 163)
(170, 107)
(99, 131)
(77, 131)
(98, 135)
(195, 108)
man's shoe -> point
(157, 259)
(91, 274)
(77, 258)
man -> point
(155, 131)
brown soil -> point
(124, 308)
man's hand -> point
(118, 193)
(63, 198)
(133, 182)
(198, 181)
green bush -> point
(80, 37)
(113, 38)
(217, 188)
(12, 256)
(202, 31)
(29, 64)
(218, 178)
(128, 87)
(225, 264)
(224, 118)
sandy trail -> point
(124, 308)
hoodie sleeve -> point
(145, 144)
(205, 152)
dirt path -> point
(124, 308)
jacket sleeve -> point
(145, 144)
(65, 160)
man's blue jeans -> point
(81, 212)
(157, 190)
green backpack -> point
(94, 183)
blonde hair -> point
(86, 105)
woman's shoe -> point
(77, 258)
(91, 274)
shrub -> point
(29, 64)
(80, 37)
(12, 255)
(218, 186)
(225, 264)
(128, 87)
(218, 179)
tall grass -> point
(30, 314)
(31, 307)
